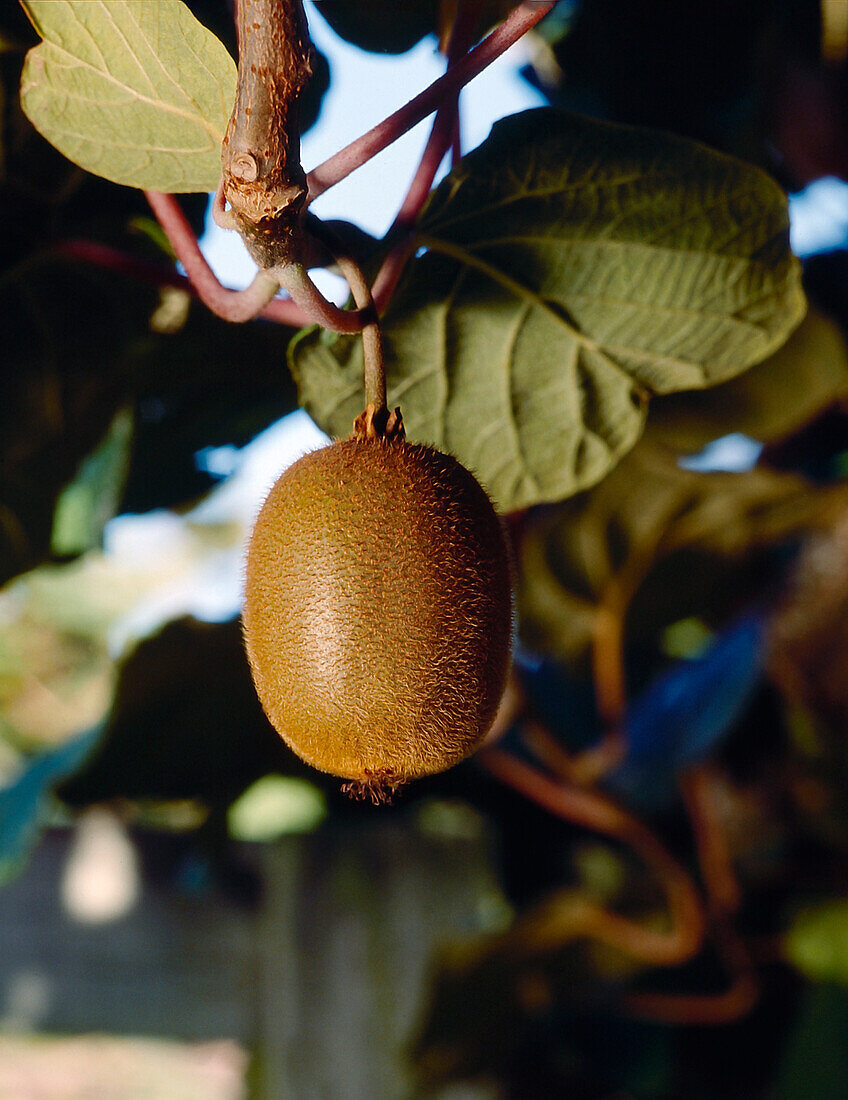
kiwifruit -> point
(377, 612)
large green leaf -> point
(384, 26)
(572, 268)
(185, 723)
(134, 91)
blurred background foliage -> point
(721, 595)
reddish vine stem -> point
(608, 670)
(244, 305)
(587, 767)
(444, 124)
(595, 811)
(353, 156)
(461, 37)
(705, 1009)
(434, 153)
(610, 692)
(442, 135)
(283, 311)
(231, 305)
(112, 259)
(391, 271)
(456, 142)
(723, 897)
(719, 879)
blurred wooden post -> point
(323, 985)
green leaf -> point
(768, 402)
(185, 723)
(92, 498)
(137, 92)
(70, 334)
(384, 26)
(211, 383)
(817, 942)
(572, 267)
(631, 525)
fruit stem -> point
(372, 339)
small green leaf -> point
(92, 498)
(572, 267)
(134, 91)
(817, 942)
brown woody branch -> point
(262, 178)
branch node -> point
(262, 178)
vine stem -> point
(353, 156)
(294, 278)
(595, 811)
(231, 305)
(723, 890)
(305, 306)
(443, 135)
(113, 259)
(372, 340)
(444, 125)
(704, 1009)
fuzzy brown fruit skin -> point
(378, 613)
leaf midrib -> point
(436, 222)
(469, 258)
(541, 239)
